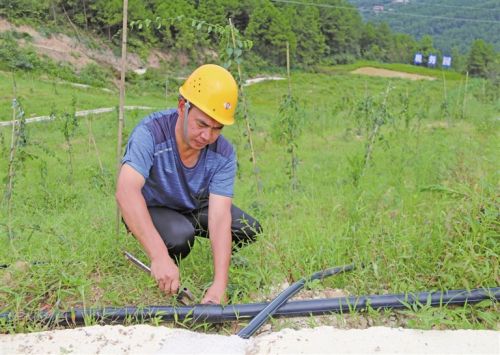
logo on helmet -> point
(227, 105)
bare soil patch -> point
(63, 48)
(390, 74)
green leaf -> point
(229, 51)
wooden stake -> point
(465, 94)
(121, 106)
(13, 145)
(446, 100)
(288, 68)
(166, 89)
(245, 113)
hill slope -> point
(443, 20)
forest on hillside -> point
(330, 32)
(453, 24)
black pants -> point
(179, 229)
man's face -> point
(202, 130)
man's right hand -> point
(166, 274)
(135, 213)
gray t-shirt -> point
(152, 151)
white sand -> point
(145, 339)
(140, 339)
(378, 340)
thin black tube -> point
(219, 314)
(284, 296)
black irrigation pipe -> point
(219, 314)
(284, 296)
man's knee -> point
(176, 232)
(179, 241)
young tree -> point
(311, 45)
(269, 30)
(177, 34)
(378, 43)
(426, 47)
(402, 49)
(16, 9)
(108, 15)
(342, 30)
(481, 57)
(459, 60)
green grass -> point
(41, 97)
(423, 214)
(407, 68)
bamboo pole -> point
(288, 68)
(122, 105)
(445, 102)
(10, 183)
(245, 113)
(465, 94)
(166, 89)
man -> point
(177, 179)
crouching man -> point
(176, 182)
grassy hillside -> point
(398, 175)
(421, 17)
(41, 97)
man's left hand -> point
(215, 295)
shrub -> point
(94, 75)
(13, 56)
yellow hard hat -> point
(214, 91)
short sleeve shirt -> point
(152, 151)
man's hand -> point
(166, 274)
(215, 295)
(136, 216)
(219, 228)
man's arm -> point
(219, 228)
(135, 213)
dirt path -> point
(261, 79)
(84, 113)
(390, 74)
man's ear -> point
(181, 106)
(181, 103)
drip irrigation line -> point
(284, 296)
(220, 314)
